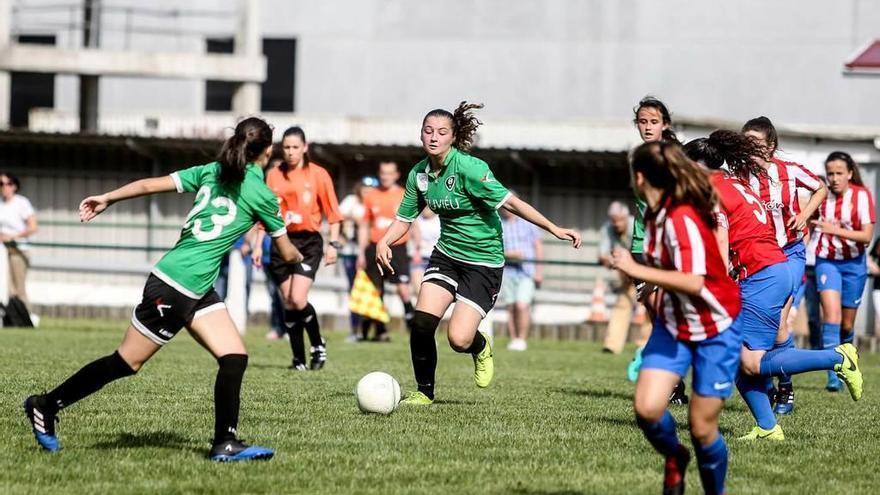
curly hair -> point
(464, 123)
(722, 146)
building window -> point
(276, 92)
(278, 89)
(218, 94)
(30, 89)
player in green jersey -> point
(230, 198)
(654, 123)
(467, 262)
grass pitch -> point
(557, 420)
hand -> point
(797, 222)
(6, 238)
(330, 255)
(417, 258)
(383, 258)
(513, 255)
(539, 279)
(92, 206)
(245, 249)
(568, 235)
(826, 227)
(361, 262)
(257, 257)
(622, 260)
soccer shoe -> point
(834, 384)
(674, 471)
(298, 366)
(759, 433)
(417, 399)
(679, 395)
(484, 365)
(849, 371)
(784, 400)
(234, 450)
(632, 371)
(42, 424)
(319, 357)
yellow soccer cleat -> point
(417, 399)
(759, 433)
(484, 365)
(849, 371)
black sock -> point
(408, 313)
(477, 345)
(365, 327)
(424, 350)
(294, 326)
(88, 380)
(313, 326)
(227, 393)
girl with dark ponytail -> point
(697, 308)
(230, 198)
(760, 266)
(468, 260)
(780, 190)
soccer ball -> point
(377, 392)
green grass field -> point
(557, 420)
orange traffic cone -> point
(598, 311)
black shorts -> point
(164, 311)
(311, 245)
(399, 262)
(475, 285)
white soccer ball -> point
(377, 392)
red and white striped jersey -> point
(779, 193)
(678, 239)
(851, 210)
(752, 244)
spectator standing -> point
(522, 242)
(426, 233)
(352, 209)
(17, 223)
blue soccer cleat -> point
(834, 384)
(234, 450)
(42, 424)
(784, 400)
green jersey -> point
(638, 234)
(220, 215)
(466, 197)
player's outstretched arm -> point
(383, 253)
(529, 213)
(92, 206)
(676, 281)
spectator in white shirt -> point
(17, 223)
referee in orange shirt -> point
(380, 210)
(306, 194)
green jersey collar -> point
(453, 152)
(256, 169)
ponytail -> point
(251, 138)
(732, 148)
(300, 133)
(665, 166)
(464, 123)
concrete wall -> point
(558, 59)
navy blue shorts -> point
(715, 360)
(846, 277)
(764, 294)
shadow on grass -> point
(271, 366)
(161, 439)
(595, 394)
(528, 491)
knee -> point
(232, 364)
(424, 323)
(703, 430)
(646, 412)
(460, 343)
(751, 367)
(127, 366)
